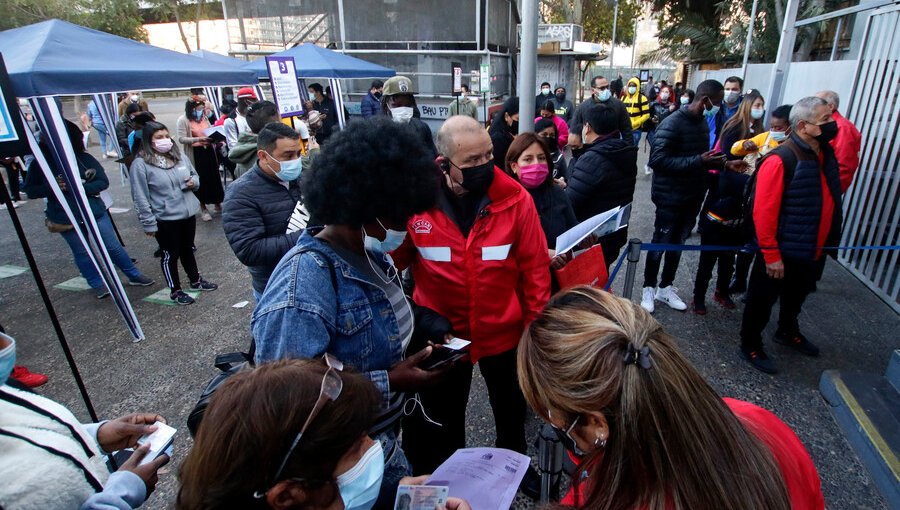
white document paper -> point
(488, 478)
(240, 304)
(570, 238)
(214, 129)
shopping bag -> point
(587, 268)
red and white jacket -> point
(491, 284)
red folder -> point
(588, 268)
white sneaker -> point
(668, 296)
(647, 299)
(204, 215)
(647, 170)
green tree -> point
(596, 16)
(119, 17)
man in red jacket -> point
(796, 212)
(480, 260)
(848, 141)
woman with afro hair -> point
(337, 291)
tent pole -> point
(46, 297)
(115, 228)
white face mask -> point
(731, 96)
(545, 92)
(135, 98)
(632, 90)
(402, 114)
(664, 96)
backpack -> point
(234, 362)
(789, 155)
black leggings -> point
(176, 240)
(715, 234)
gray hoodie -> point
(160, 193)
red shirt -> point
(800, 475)
(767, 208)
(491, 284)
(846, 147)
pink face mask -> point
(532, 176)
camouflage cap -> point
(398, 85)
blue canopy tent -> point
(314, 61)
(215, 93)
(58, 58)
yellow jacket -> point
(762, 141)
(637, 105)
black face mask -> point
(829, 131)
(576, 153)
(514, 127)
(561, 96)
(477, 179)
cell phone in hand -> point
(160, 440)
(454, 350)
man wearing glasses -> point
(600, 94)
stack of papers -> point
(600, 225)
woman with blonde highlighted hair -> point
(649, 432)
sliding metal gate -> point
(872, 204)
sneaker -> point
(647, 299)
(798, 342)
(158, 253)
(101, 292)
(668, 296)
(140, 281)
(181, 298)
(724, 300)
(112, 154)
(218, 209)
(204, 285)
(27, 377)
(204, 215)
(698, 307)
(759, 360)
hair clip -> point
(638, 357)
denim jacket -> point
(303, 314)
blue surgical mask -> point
(290, 169)
(360, 485)
(392, 240)
(7, 359)
(778, 136)
(604, 95)
(684, 100)
(711, 113)
(757, 113)
(198, 115)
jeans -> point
(176, 239)
(636, 136)
(395, 468)
(799, 281)
(102, 133)
(428, 445)
(116, 251)
(672, 226)
(716, 234)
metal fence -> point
(872, 204)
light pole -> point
(612, 47)
(527, 64)
(749, 39)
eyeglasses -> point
(332, 384)
(565, 436)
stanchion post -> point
(550, 452)
(634, 256)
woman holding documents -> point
(307, 446)
(200, 151)
(337, 291)
(648, 430)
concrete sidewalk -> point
(855, 330)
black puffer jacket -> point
(554, 210)
(679, 177)
(603, 177)
(255, 217)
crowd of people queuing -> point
(372, 246)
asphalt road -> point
(164, 373)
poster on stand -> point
(285, 88)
